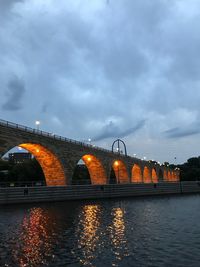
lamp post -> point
(37, 123)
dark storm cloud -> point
(111, 130)
(14, 94)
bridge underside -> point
(95, 168)
(53, 171)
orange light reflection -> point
(34, 243)
(117, 235)
(88, 236)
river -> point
(144, 231)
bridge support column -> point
(69, 166)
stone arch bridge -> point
(58, 157)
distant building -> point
(18, 157)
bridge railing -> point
(54, 136)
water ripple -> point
(152, 231)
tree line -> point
(27, 171)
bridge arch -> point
(95, 168)
(154, 176)
(169, 176)
(136, 174)
(165, 175)
(146, 175)
(50, 164)
(120, 171)
(174, 178)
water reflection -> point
(130, 232)
(88, 236)
(117, 235)
(33, 241)
(118, 228)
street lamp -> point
(89, 159)
(37, 123)
(89, 140)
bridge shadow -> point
(81, 175)
(113, 178)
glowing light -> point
(37, 123)
(116, 163)
(89, 159)
(37, 150)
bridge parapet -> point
(23, 128)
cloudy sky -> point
(105, 69)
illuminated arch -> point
(165, 176)
(51, 166)
(146, 175)
(120, 172)
(136, 175)
(169, 176)
(154, 176)
(174, 176)
(96, 169)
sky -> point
(105, 69)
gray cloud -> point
(111, 130)
(14, 93)
(87, 63)
(181, 132)
(6, 5)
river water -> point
(144, 231)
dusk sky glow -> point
(104, 70)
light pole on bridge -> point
(37, 123)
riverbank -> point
(11, 195)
